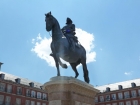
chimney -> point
(31, 84)
(107, 89)
(0, 65)
(133, 84)
(120, 87)
(41, 87)
(17, 80)
(2, 76)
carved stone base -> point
(64, 90)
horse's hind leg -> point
(86, 78)
(73, 65)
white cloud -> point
(128, 73)
(33, 40)
(42, 46)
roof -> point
(24, 81)
(114, 86)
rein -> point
(50, 34)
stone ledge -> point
(69, 80)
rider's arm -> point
(72, 28)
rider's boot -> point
(51, 54)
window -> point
(33, 93)
(1, 99)
(133, 93)
(107, 104)
(8, 100)
(2, 86)
(44, 96)
(101, 98)
(32, 103)
(128, 103)
(38, 103)
(9, 88)
(114, 104)
(107, 97)
(19, 90)
(44, 104)
(121, 103)
(126, 94)
(18, 101)
(113, 96)
(139, 92)
(39, 95)
(120, 96)
(96, 99)
(135, 102)
(27, 92)
(27, 102)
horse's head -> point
(49, 21)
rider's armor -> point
(69, 32)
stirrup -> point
(51, 54)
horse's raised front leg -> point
(56, 64)
(61, 64)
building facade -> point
(19, 91)
(117, 95)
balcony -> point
(127, 96)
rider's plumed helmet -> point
(68, 21)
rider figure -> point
(69, 32)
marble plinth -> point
(64, 90)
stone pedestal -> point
(64, 90)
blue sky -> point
(112, 26)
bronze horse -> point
(60, 48)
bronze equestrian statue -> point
(61, 48)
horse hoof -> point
(76, 76)
(58, 74)
(65, 66)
